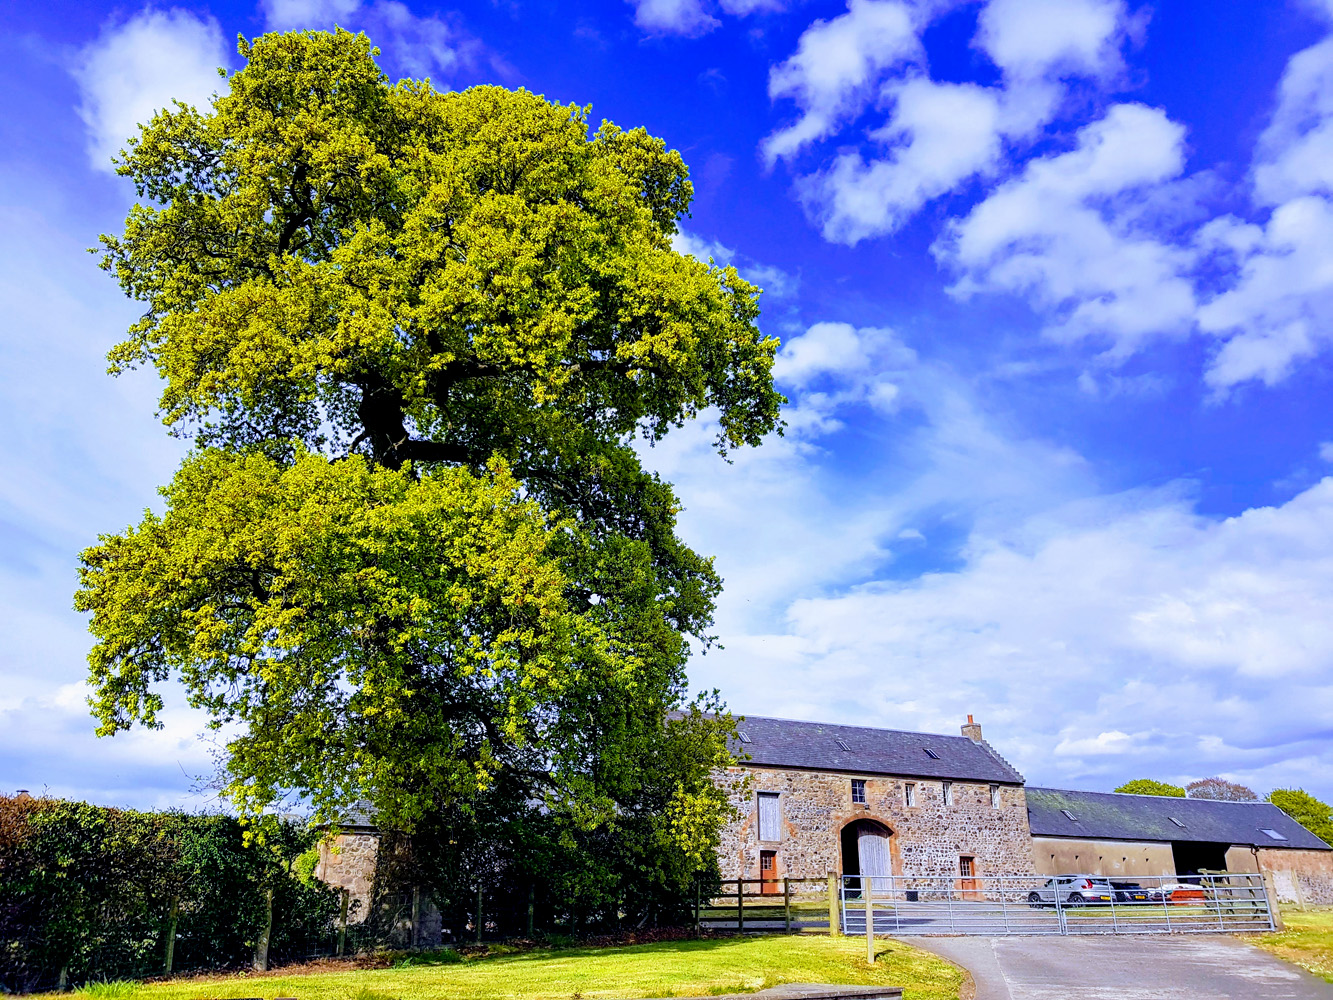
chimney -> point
(22, 794)
(972, 730)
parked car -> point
(1132, 892)
(1071, 890)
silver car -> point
(1071, 890)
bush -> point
(89, 894)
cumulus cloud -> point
(832, 76)
(937, 135)
(138, 67)
(692, 18)
(1066, 233)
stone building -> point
(814, 798)
(852, 800)
(1108, 833)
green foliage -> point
(117, 989)
(1147, 786)
(89, 890)
(414, 560)
(1305, 809)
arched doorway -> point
(866, 851)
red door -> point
(768, 871)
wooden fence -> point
(781, 905)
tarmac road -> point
(1203, 967)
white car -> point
(1071, 890)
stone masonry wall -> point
(349, 863)
(927, 839)
(1301, 877)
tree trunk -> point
(261, 943)
(171, 935)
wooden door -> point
(967, 877)
(768, 872)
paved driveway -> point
(1125, 968)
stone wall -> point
(927, 839)
(349, 863)
(1300, 877)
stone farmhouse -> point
(851, 800)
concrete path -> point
(1213, 967)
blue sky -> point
(1054, 281)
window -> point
(858, 791)
(931, 753)
(909, 793)
(768, 863)
(946, 790)
(842, 744)
(745, 737)
(1069, 816)
(1274, 835)
(995, 796)
(1177, 822)
(770, 816)
(966, 867)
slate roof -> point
(1114, 816)
(813, 746)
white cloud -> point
(1295, 151)
(673, 17)
(832, 75)
(1065, 234)
(286, 15)
(1031, 39)
(940, 134)
(1326, 451)
(136, 68)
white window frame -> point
(909, 792)
(946, 792)
(760, 826)
(995, 796)
(864, 794)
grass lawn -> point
(1307, 941)
(675, 968)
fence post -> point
(342, 921)
(532, 906)
(260, 963)
(698, 929)
(415, 939)
(834, 916)
(868, 894)
(171, 935)
(478, 913)
(786, 901)
(740, 904)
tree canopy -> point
(1220, 788)
(1147, 786)
(414, 337)
(1305, 809)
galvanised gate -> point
(1208, 903)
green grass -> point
(677, 968)
(120, 989)
(1307, 941)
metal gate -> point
(1223, 902)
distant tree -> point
(1148, 786)
(1305, 809)
(1220, 789)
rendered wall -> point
(927, 838)
(1301, 877)
(1066, 856)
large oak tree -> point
(413, 555)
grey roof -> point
(814, 746)
(1114, 816)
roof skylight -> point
(931, 753)
(1176, 821)
(842, 744)
(1069, 816)
(745, 737)
(1274, 834)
